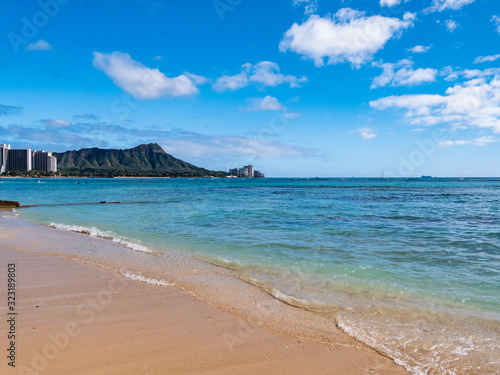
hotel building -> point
(4, 150)
(247, 171)
(26, 160)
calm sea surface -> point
(410, 267)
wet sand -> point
(76, 318)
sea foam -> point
(147, 280)
(94, 232)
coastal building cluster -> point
(247, 171)
(26, 160)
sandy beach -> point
(76, 318)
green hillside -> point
(143, 160)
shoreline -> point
(232, 350)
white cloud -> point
(483, 141)
(232, 83)
(451, 74)
(389, 3)
(268, 103)
(440, 5)
(57, 123)
(267, 73)
(482, 59)
(264, 73)
(198, 80)
(403, 74)
(449, 143)
(291, 115)
(408, 101)
(366, 133)
(451, 25)
(140, 81)
(205, 150)
(230, 146)
(310, 6)
(158, 58)
(419, 49)
(346, 36)
(474, 103)
(41, 45)
(496, 21)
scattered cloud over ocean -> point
(389, 3)
(471, 104)
(210, 151)
(451, 25)
(482, 59)
(440, 5)
(347, 36)
(40, 45)
(262, 74)
(140, 81)
(365, 133)
(482, 141)
(268, 103)
(310, 6)
(403, 74)
(419, 49)
(496, 22)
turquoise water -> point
(411, 267)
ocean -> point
(409, 267)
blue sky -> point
(294, 87)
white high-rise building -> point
(247, 171)
(26, 160)
(52, 164)
(4, 152)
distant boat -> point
(427, 177)
(383, 174)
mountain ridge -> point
(145, 159)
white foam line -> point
(94, 232)
(147, 280)
(359, 335)
(288, 298)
